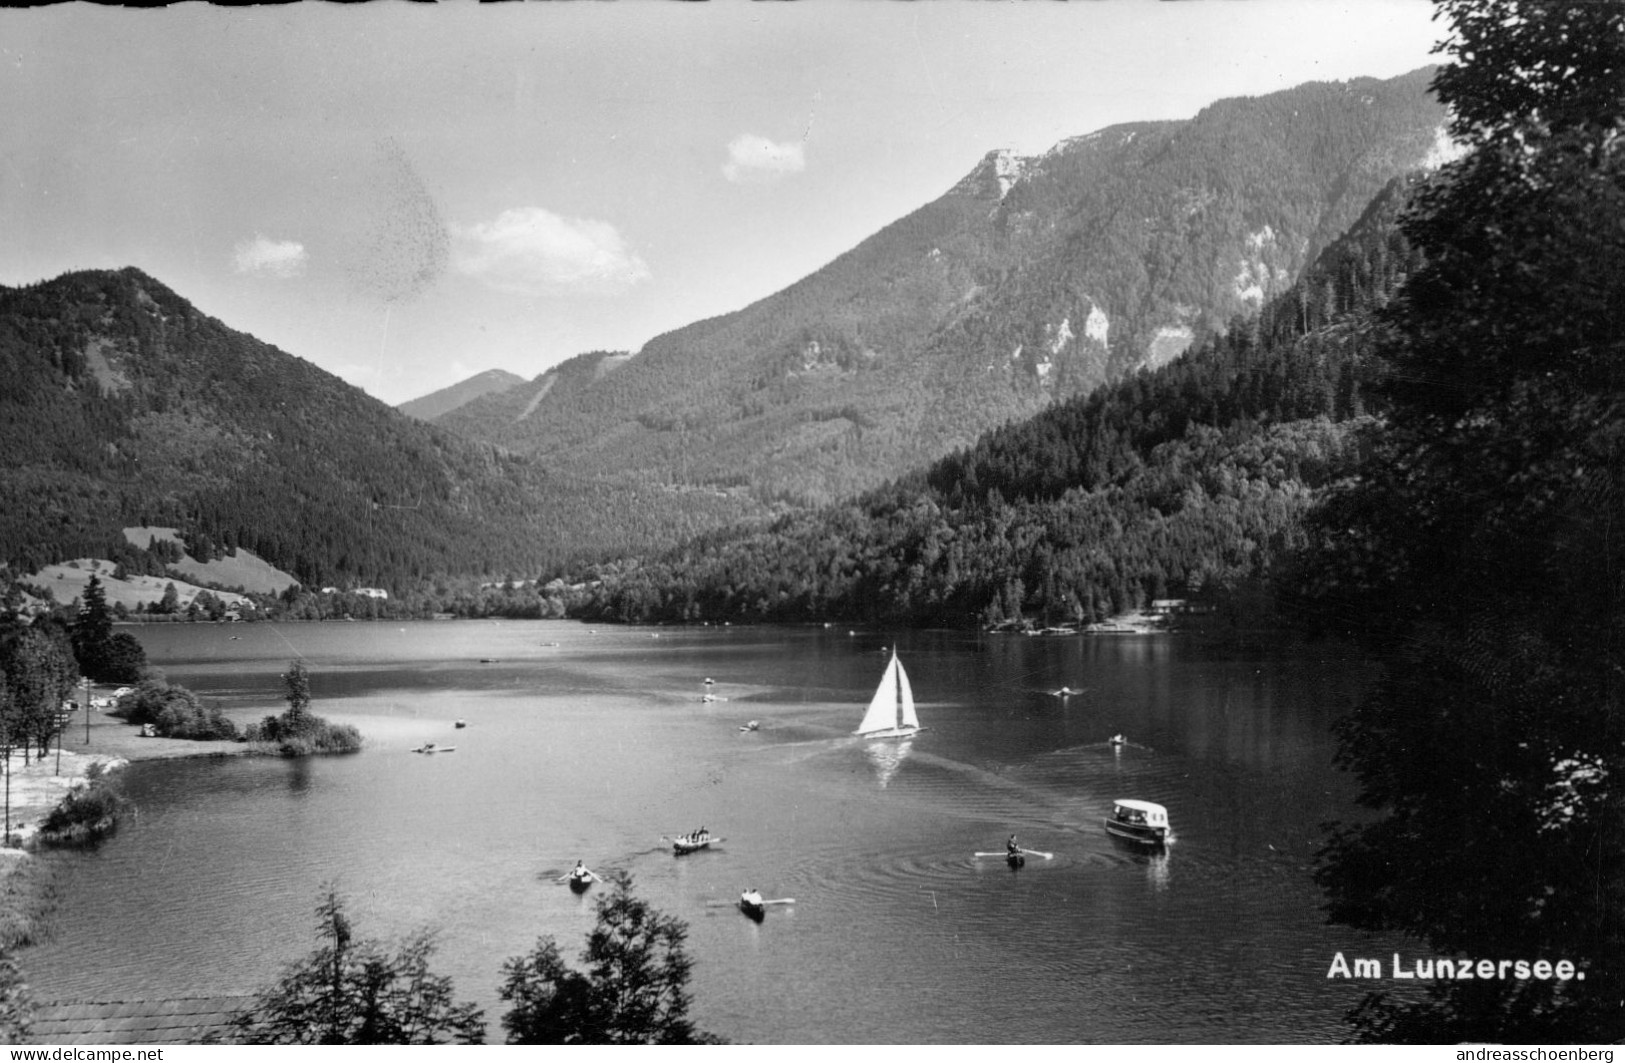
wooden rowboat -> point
(684, 844)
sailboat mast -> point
(897, 684)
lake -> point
(593, 743)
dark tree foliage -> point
(87, 813)
(174, 712)
(634, 990)
(1481, 549)
(359, 992)
(124, 660)
(296, 682)
(93, 628)
(16, 1005)
(299, 732)
(102, 655)
(40, 675)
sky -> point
(410, 194)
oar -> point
(782, 900)
(1000, 853)
(1035, 852)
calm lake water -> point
(592, 744)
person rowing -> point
(751, 898)
(1012, 847)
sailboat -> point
(891, 710)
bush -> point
(174, 712)
(305, 735)
(87, 813)
(299, 732)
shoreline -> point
(27, 877)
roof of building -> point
(181, 1020)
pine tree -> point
(93, 629)
(296, 683)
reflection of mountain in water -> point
(887, 757)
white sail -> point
(891, 710)
(906, 716)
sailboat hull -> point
(891, 732)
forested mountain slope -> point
(1032, 280)
(1192, 477)
(438, 403)
(123, 405)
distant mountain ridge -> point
(1191, 479)
(1032, 279)
(124, 406)
(438, 403)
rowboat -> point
(579, 877)
(1140, 822)
(891, 711)
(1019, 853)
(1015, 859)
(684, 844)
(430, 747)
(750, 902)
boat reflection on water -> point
(887, 757)
(1156, 872)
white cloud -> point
(531, 251)
(275, 258)
(754, 158)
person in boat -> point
(751, 898)
(1011, 847)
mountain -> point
(437, 403)
(125, 406)
(1032, 280)
(1193, 478)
